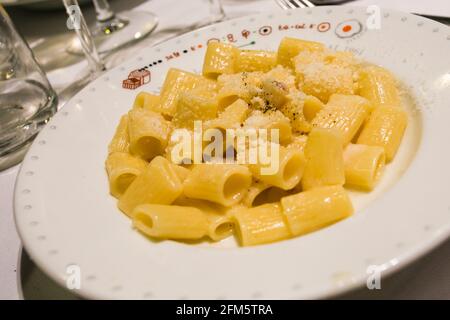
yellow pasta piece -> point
(170, 222)
(385, 128)
(288, 172)
(324, 159)
(225, 184)
(344, 113)
(232, 117)
(255, 60)
(364, 165)
(243, 85)
(148, 133)
(147, 101)
(294, 110)
(178, 81)
(181, 172)
(271, 120)
(157, 184)
(220, 224)
(290, 47)
(311, 107)
(121, 140)
(254, 191)
(298, 143)
(315, 209)
(122, 169)
(194, 105)
(219, 59)
(259, 225)
(322, 80)
(379, 86)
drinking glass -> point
(27, 100)
(113, 31)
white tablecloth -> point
(427, 278)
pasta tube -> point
(291, 165)
(385, 128)
(148, 133)
(225, 184)
(219, 59)
(122, 169)
(364, 165)
(256, 189)
(147, 101)
(157, 184)
(290, 47)
(259, 225)
(194, 105)
(170, 222)
(121, 141)
(314, 209)
(345, 113)
(255, 60)
(311, 107)
(378, 85)
(324, 159)
(220, 224)
(178, 81)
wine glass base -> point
(122, 30)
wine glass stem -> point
(216, 10)
(84, 35)
(103, 10)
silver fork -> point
(293, 4)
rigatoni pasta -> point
(261, 145)
(385, 128)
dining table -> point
(46, 33)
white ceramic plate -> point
(66, 217)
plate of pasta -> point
(281, 155)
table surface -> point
(427, 278)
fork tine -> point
(290, 5)
(308, 3)
(282, 4)
(297, 3)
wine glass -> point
(113, 31)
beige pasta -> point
(385, 128)
(364, 165)
(254, 191)
(225, 184)
(379, 86)
(122, 169)
(255, 60)
(220, 224)
(121, 140)
(219, 59)
(147, 101)
(284, 174)
(157, 184)
(178, 81)
(260, 225)
(194, 105)
(346, 113)
(311, 107)
(290, 47)
(148, 132)
(170, 221)
(314, 209)
(324, 159)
